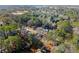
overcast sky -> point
(39, 2)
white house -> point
(1, 23)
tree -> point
(64, 29)
(76, 40)
(12, 44)
(60, 48)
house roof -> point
(1, 22)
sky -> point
(39, 2)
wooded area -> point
(34, 29)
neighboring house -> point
(1, 34)
(1, 23)
(41, 30)
(11, 33)
(65, 17)
(76, 30)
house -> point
(1, 34)
(1, 23)
(11, 33)
(76, 30)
